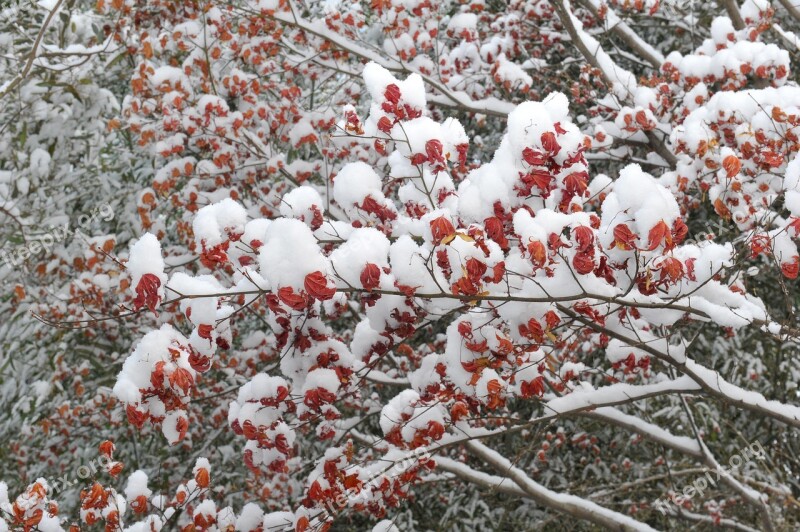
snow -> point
(463, 21)
(377, 78)
(791, 184)
(201, 310)
(747, 398)
(639, 200)
(459, 293)
(169, 427)
(300, 203)
(201, 463)
(278, 520)
(290, 252)
(40, 163)
(392, 413)
(502, 463)
(250, 519)
(685, 444)
(511, 74)
(214, 224)
(385, 526)
(586, 396)
(730, 59)
(324, 378)
(354, 182)
(145, 257)
(135, 373)
(136, 486)
(363, 246)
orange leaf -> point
(732, 165)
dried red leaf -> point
(295, 301)
(147, 292)
(624, 237)
(732, 165)
(370, 276)
(316, 284)
(659, 234)
(441, 228)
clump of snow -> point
(145, 257)
(216, 223)
(290, 252)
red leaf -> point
(139, 504)
(722, 209)
(181, 378)
(419, 158)
(475, 270)
(435, 430)
(303, 523)
(408, 291)
(679, 231)
(293, 300)
(204, 331)
(584, 237)
(392, 93)
(671, 268)
(790, 269)
(498, 271)
(370, 276)
(478, 347)
(202, 477)
(549, 142)
(494, 229)
(316, 284)
(760, 244)
(658, 235)
(462, 153)
(532, 330)
(533, 388)
(147, 292)
(316, 220)
(458, 410)
(533, 157)
(551, 319)
(690, 269)
(538, 253)
(136, 417)
(199, 363)
(106, 448)
(434, 149)
(583, 262)
(182, 425)
(441, 228)
(641, 119)
(384, 124)
(576, 183)
(624, 237)
(541, 179)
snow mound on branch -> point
(377, 78)
(364, 246)
(145, 257)
(531, 128)
(354, 182)
(290, 252)
(215, 223)
(154, 347)
(637, 199)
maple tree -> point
(400, 264)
